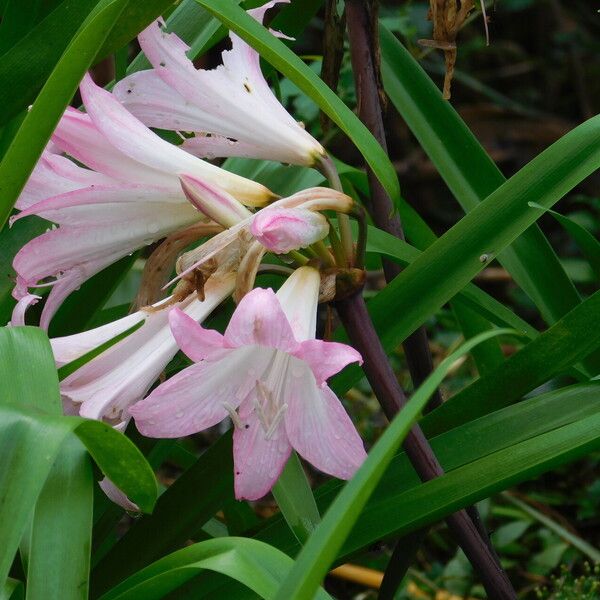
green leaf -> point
(28, 143)
(284, 60)
(295, 499)
(453, 260)
(60, 541)
(25, 66)
(553, 352)
(314, 560)
(32, 433)
(588, 244)
(470, 174)
(180, 511)
(255, 564)
(13, 590)
(456, 448)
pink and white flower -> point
(269, 374)
(231, 108)
(131, 198)
(106, 386)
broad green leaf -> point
(255, 564)
(285, 61)
(567, 342)
(13, 590)
(60, 541)
(28, 143)
(32, 433)
(470, 174)
(472, 296)
(448, 265)
(320, 551)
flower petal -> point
(157, 104)
(18, 315)
(201, 395)
(259, 320)
(258, 462)
(326, 358)
(197, 342)
(318, 427)
(299, 297)
(70, 347)
(78, 136)
(134, 139)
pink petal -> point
(134, 139)
(318, 427)
(214, 145)
(157, 104)
(78, 136)
(258, 462)
(326, 358)
(200, 396)
(18, 314)
(233, 100)
(197, 342)
(259, 320)
(54, 175)
(282, 230)
(68, 348)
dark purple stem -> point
(357, 321)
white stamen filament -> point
(233, 415)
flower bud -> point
(214, 202)
(281, 230)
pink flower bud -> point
(214, 202)
(281, 230)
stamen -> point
(276, 420)
(233, 415)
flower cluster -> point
(110, 186)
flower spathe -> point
(269, 374)
(107, 385)
(232, 108)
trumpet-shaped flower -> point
(131, 198)
(107, 385)
(231, 108)
(269, 374)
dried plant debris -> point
(448, 16)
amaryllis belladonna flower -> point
(131, 198)
(269, 374)
(231, 108)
